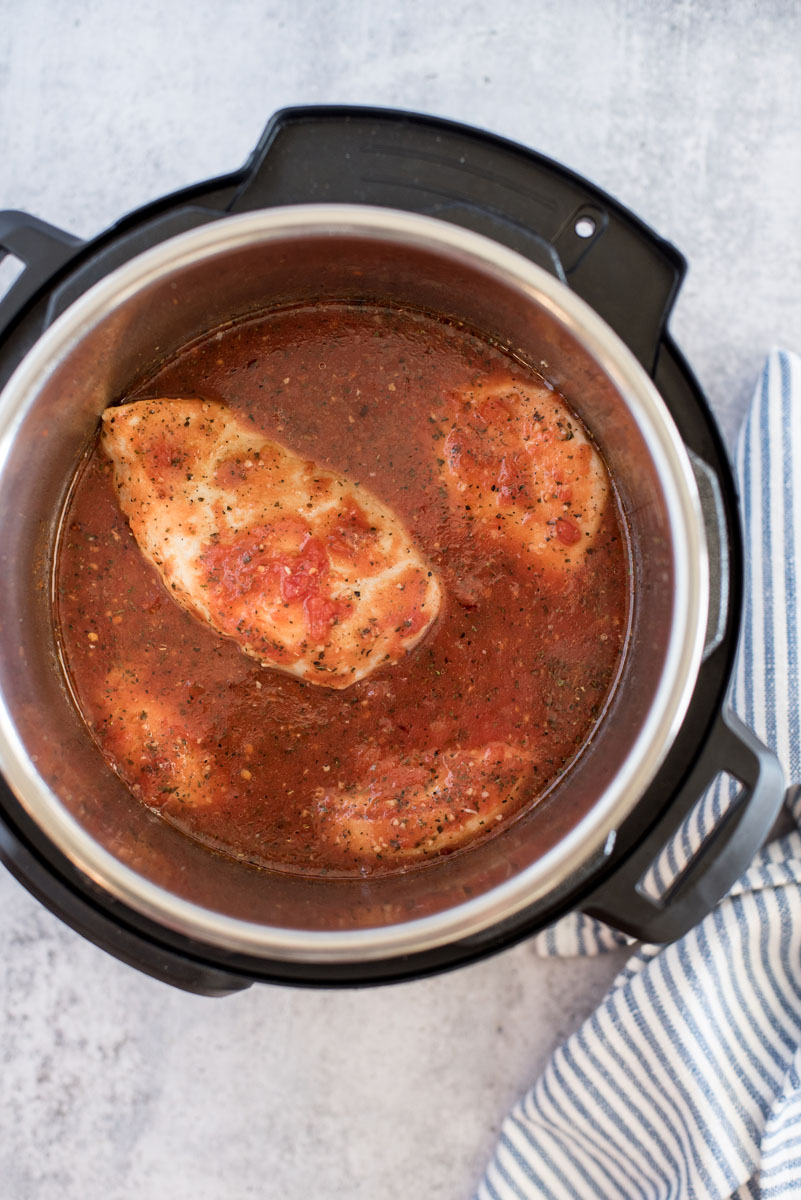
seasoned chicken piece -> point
(417, 806)
(308, 572)
(153, 746)
(516, 460)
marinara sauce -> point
(516, 655)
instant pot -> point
(391, 207)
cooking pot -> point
(73, 832)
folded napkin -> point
(686, 1081)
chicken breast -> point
(154, 746)
(416, 807)
(308, 572)
(516, 460)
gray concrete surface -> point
(113, 1087)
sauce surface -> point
(520, 659)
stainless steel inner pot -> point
(230, 269)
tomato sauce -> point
(516, 656)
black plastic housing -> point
(631, 278)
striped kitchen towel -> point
(686, 1082)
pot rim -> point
(594, 833)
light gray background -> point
(112, 1086)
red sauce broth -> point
(514, 656)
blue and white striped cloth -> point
(685, 1084)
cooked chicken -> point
(152, 745)
(423, 804)
(308, 572)
(517, 460)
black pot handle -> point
(43, 248)
(723, 857)
(422, 164)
